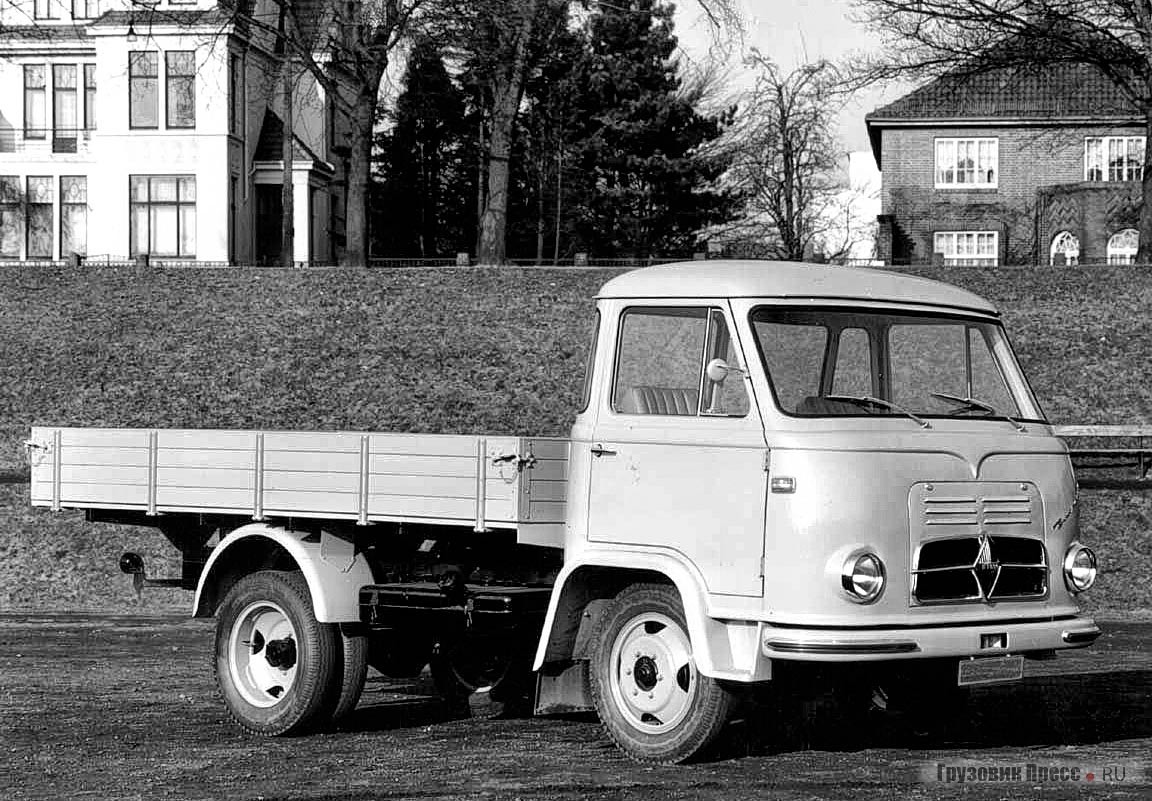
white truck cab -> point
(825, 465)
(783, 476)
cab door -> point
(678, 457)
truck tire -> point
(652, 701)
(483, 679)
(277, 668)
(354, 670)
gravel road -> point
(104, 707)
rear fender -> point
(335, 572)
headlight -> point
(863, 577)
(1079, 568)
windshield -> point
(853, 362)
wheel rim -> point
(652, 676)
(262, 654)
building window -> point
(180, 88)
(35, 101)
(163, 215)
(1122, 246)
(11, 222)
(85, 9)
(1065, 250)
(967, 163)
(73, 215)
(235, 95)
(971, 248)
(64, 110)
(42, 9)
(143, 89)
(90, 97)
(39, 222)
(1114, 158)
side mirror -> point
(717, 370)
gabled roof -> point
(1032, 93)
(786, 279)
(44, 33)
(143, 18)
(270, 145)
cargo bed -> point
(482, 482)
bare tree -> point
(786, 161)
(958, 38)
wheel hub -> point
(645, 673)
(653, 678)
(262, 654)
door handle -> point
(599, 450)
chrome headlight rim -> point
(1074, 551)
(848, 572)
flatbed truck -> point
(778, 471)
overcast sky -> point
(794, 31)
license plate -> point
(990, 670)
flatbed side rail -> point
(482, 482)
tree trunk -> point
(1144, 249)
(287, 195)
(359, 172)
(540, 221)
(509, 88)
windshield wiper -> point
(975, 405)
(869, 400)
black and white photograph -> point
(517, 400)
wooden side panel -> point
(547, 482)
(94, 466)
(209, 469)
(371, 477)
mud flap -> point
(562, 687)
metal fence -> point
(459, 262)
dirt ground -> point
(111, 707)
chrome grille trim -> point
(984, 575)
(977, 542)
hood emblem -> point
(986, 569)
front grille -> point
(977, 542)
(980, 569)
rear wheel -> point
(277, 668)
(654, 704)
(354, 670)
(483, 678)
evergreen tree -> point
(644, 178)
(425, 162)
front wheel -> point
(277, 668)
(654, 704)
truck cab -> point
(782, 463)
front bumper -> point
(929, 642)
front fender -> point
(721, 649)
(335, 572)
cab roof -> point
(788, 279)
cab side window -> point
(661, 359)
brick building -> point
(1011, 166)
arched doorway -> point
(1065, 250)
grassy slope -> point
(446, 351)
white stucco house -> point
(131, 129)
